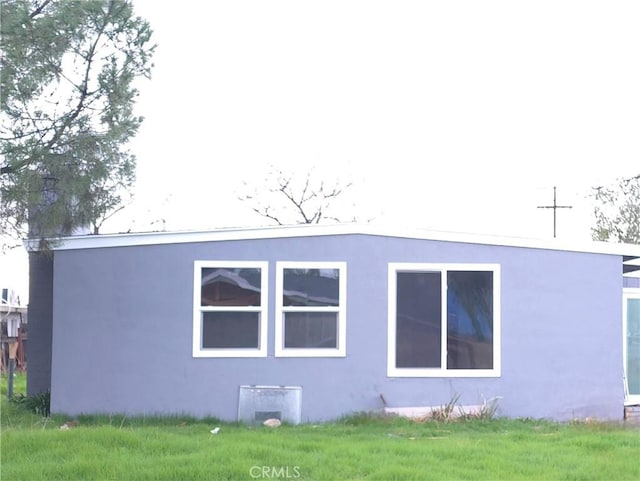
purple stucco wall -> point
(122, 334)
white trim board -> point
(308, 230)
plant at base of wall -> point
(446, 412)
(453, 410)
(38, 403)
(576, 421)
(487, 409)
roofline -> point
(9, 308)
(630, 251)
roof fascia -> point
(631, 252)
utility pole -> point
(555, 207)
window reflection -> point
(470, 320)
(230, 287)
(310, 287)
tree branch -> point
(39, 9)
(265, 213)
(85, 83)
(309, 201)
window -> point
(444, 320)
(310, 309)
(230, 309)
(631, 344)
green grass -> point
(355, 448)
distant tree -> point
(617, 212)
(287, 199)
(67, 92)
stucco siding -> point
(122, 332)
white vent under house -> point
(256, 404)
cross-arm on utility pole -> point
(555, 207)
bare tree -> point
(286, 199)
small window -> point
(444, 320)
(230, 309)
(310, 309)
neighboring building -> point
(13, 324)
(333, 319)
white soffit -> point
(305, 230)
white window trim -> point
(341, 350)
(198, 309)
(392, 370)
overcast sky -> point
(450, 115)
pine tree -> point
(67, 92)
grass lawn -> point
(356, 448)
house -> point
(309, 323)
(13, 323)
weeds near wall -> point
(445, 413)
(453, 410)
(487, 410)
(39, 403)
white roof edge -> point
(306, 230)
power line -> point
(555, 207)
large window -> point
(631, 345)
(230, 309)
(310, 309)
(444, 320)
